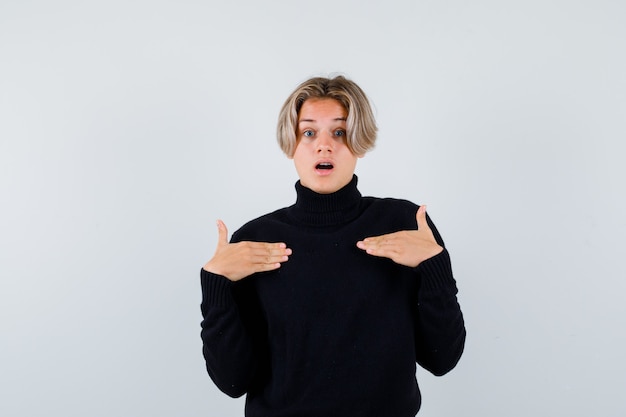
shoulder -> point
(396, 214)
(392, 214)
(259, 228)
(391, 205)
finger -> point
(266, 263)
(270, 260)
(422, 224)
(381, 239)
(377, 239)
(382, 251)
(261, 252)
(267, 267)
(222, 233)
(369, 242)
(263, 248)
(266, 256)
(377, 242)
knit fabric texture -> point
(333, 331)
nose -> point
(324, 143)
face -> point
(322, 158)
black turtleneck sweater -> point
(333, 331)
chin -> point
(325, 185)
(326, 190)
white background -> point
(128, 127)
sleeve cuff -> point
(436, 272)
(216, 289)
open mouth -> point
(324, 165)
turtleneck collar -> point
(320, 210)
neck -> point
(320, 210)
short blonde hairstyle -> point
(360, 123)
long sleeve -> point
(334, 331)
(228, 345)
(440, 329)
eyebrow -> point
(338, 119)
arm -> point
(439, 325)
(227, 345)
(232, 328)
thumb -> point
(222, 233)
(420, 216)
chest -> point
(328, 279)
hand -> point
(407, 247)
(239, 260)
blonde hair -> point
(360, 123)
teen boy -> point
(324, 308)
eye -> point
(308, 133)
(340, 132)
